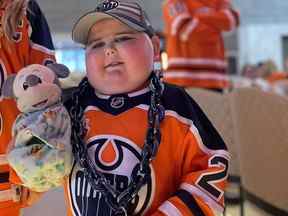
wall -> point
(258, 42)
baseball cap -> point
(127, 12)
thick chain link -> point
(117, 200)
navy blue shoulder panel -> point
(40, 30)
(177, 100)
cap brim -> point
(82, 27)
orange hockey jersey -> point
(276, 76)
(194, 42)
(188, 174)
(32, 44)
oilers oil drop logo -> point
(115, 157)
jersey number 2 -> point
(207, 181)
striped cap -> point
(128, 12)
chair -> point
(262, 136)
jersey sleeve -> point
(176, 15)
(41, 45)
(204, 168)
(223, 19)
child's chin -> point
(112, 90)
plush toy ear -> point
(7, 88)
(60, 70)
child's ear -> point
(156, 47)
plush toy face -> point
(34, 88)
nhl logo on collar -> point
(108, 5)
(117, 102)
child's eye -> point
(123, 39)
(97, 45)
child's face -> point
(119, 59)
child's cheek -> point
(133, 51)
(128, 46)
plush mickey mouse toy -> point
(40, 152)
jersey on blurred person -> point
(276, 76)
(24, 39)
(194, 42)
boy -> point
(174, 163)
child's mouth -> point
(113, 64)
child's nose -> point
(110, 49)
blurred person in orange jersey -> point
(277, 75)
(194, 42)
(278, 80)
(24, 39)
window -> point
(285, 52)
(73, 58)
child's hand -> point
(29, 197)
